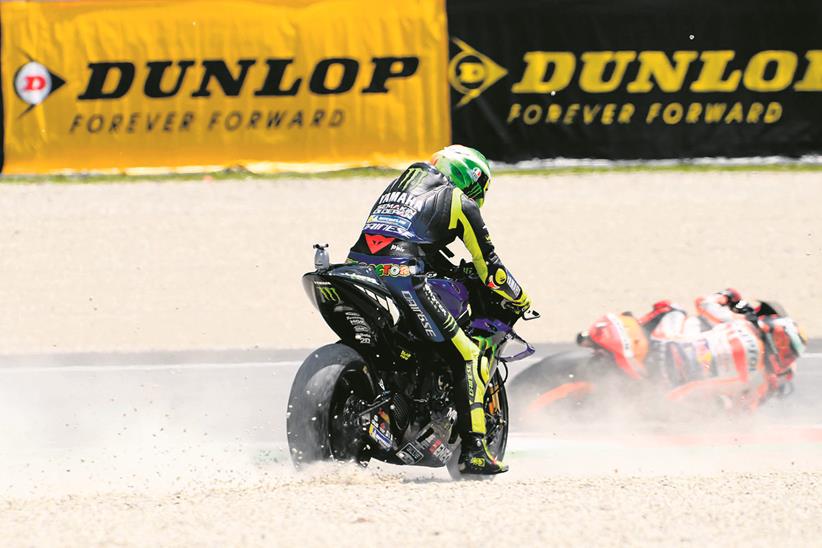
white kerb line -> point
(197, 366)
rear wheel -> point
(331, 389)
(496, 423)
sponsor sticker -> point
(392, 270)
(410, 453)
(440, 451)
(327, 293)
(379, 432)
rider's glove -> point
(523, 303)
(743, 307)
(519, 305)
(733, 300)
(467, 270)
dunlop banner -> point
(95, 85)
(636, 78)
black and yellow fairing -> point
(344, 287)
(361, 311)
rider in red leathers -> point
(720, 352)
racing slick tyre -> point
(496, 421)
(330, 390)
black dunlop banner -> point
(636, 79)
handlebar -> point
(526, 315)
(466, 273)
(743, 307)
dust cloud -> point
(180, 456)
(176, 456)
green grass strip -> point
(235, 174)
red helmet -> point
(785, 341)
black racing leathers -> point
(422, 211)
(417, 214)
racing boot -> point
(477, 459)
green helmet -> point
(466, 168)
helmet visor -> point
(481, 188)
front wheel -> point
(331, 389)
(496, 424)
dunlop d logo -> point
(470, 72)
(33, 83)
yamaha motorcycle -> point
(382, 393)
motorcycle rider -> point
(424, 209)
(673, 321)
(721, 351)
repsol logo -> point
(599, 72)
(272, 77)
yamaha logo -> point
(34, 83)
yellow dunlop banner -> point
(101, 85)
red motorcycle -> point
(736, 365)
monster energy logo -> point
(329, 294)
(410, 178)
